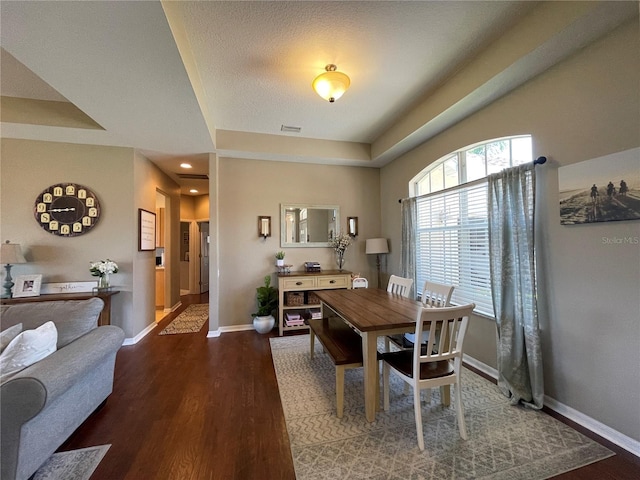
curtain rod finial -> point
(540, 160)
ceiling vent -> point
(193, 176)
(290, 129)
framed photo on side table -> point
(27, 286)
(146, 230)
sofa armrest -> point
(31, 390)
(60, 370)
(21, 399)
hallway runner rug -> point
(189, 321)
(504, 442)
(71, 465)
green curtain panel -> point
(511, 205)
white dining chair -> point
(400, 286)
(438, 365)
(433, 295)
(360, 283)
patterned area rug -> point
(72, 465)
(189, 321)
(505, 442)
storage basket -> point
(313, 299)
(293, 299)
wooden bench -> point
(342, 344)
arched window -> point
(452, 238)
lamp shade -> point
(11, 253)
(331, 84)
(377, 245)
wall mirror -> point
(303, 225)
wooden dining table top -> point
(371, 309)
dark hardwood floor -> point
(185, 407)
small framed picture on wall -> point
(146, 230)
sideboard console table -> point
(105, 315)
(295, 291)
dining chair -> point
(400, 286)
(433, 295)
(438, 365)
(360, 283)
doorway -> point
(184, 258)
(163, 267)
(205, 240)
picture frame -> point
(146, 230)
(602, 189)
(27, 286)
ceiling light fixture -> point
(185, 165)
(331, 84)
(193, 190)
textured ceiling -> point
(257, 59)
(179, 80)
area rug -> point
(72, 465)
(505, 442)
(189, 321)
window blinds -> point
(452, 243)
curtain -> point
(408, 246)
(511, 202)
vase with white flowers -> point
(340, 243)
(103, 269)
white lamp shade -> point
(331, 84)
(11, 253)
(377, 245)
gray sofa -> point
(42, 405)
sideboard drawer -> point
(299, 283)
(339, 281)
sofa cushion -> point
(9, 334)
(73, 318)
(26, 349)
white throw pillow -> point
(9, 334)
(26, 349)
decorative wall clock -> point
(67, 209)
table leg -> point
(370, 366)
(105, 315)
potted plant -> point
(280, 259)
(267, 297)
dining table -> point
(372, 313)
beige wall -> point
(149, 180)
(124, 181)
(186, 207)
(250, 188)
(28, 167)
(585, 107)
(201, 207)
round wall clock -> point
(67, 209)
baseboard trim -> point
(483, 367)
(140, 336)
(606, 432)
(600, 429)
(229, 329)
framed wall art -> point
(603, 189)
(146, 230)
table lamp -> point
(376, 246)
(10, 254)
